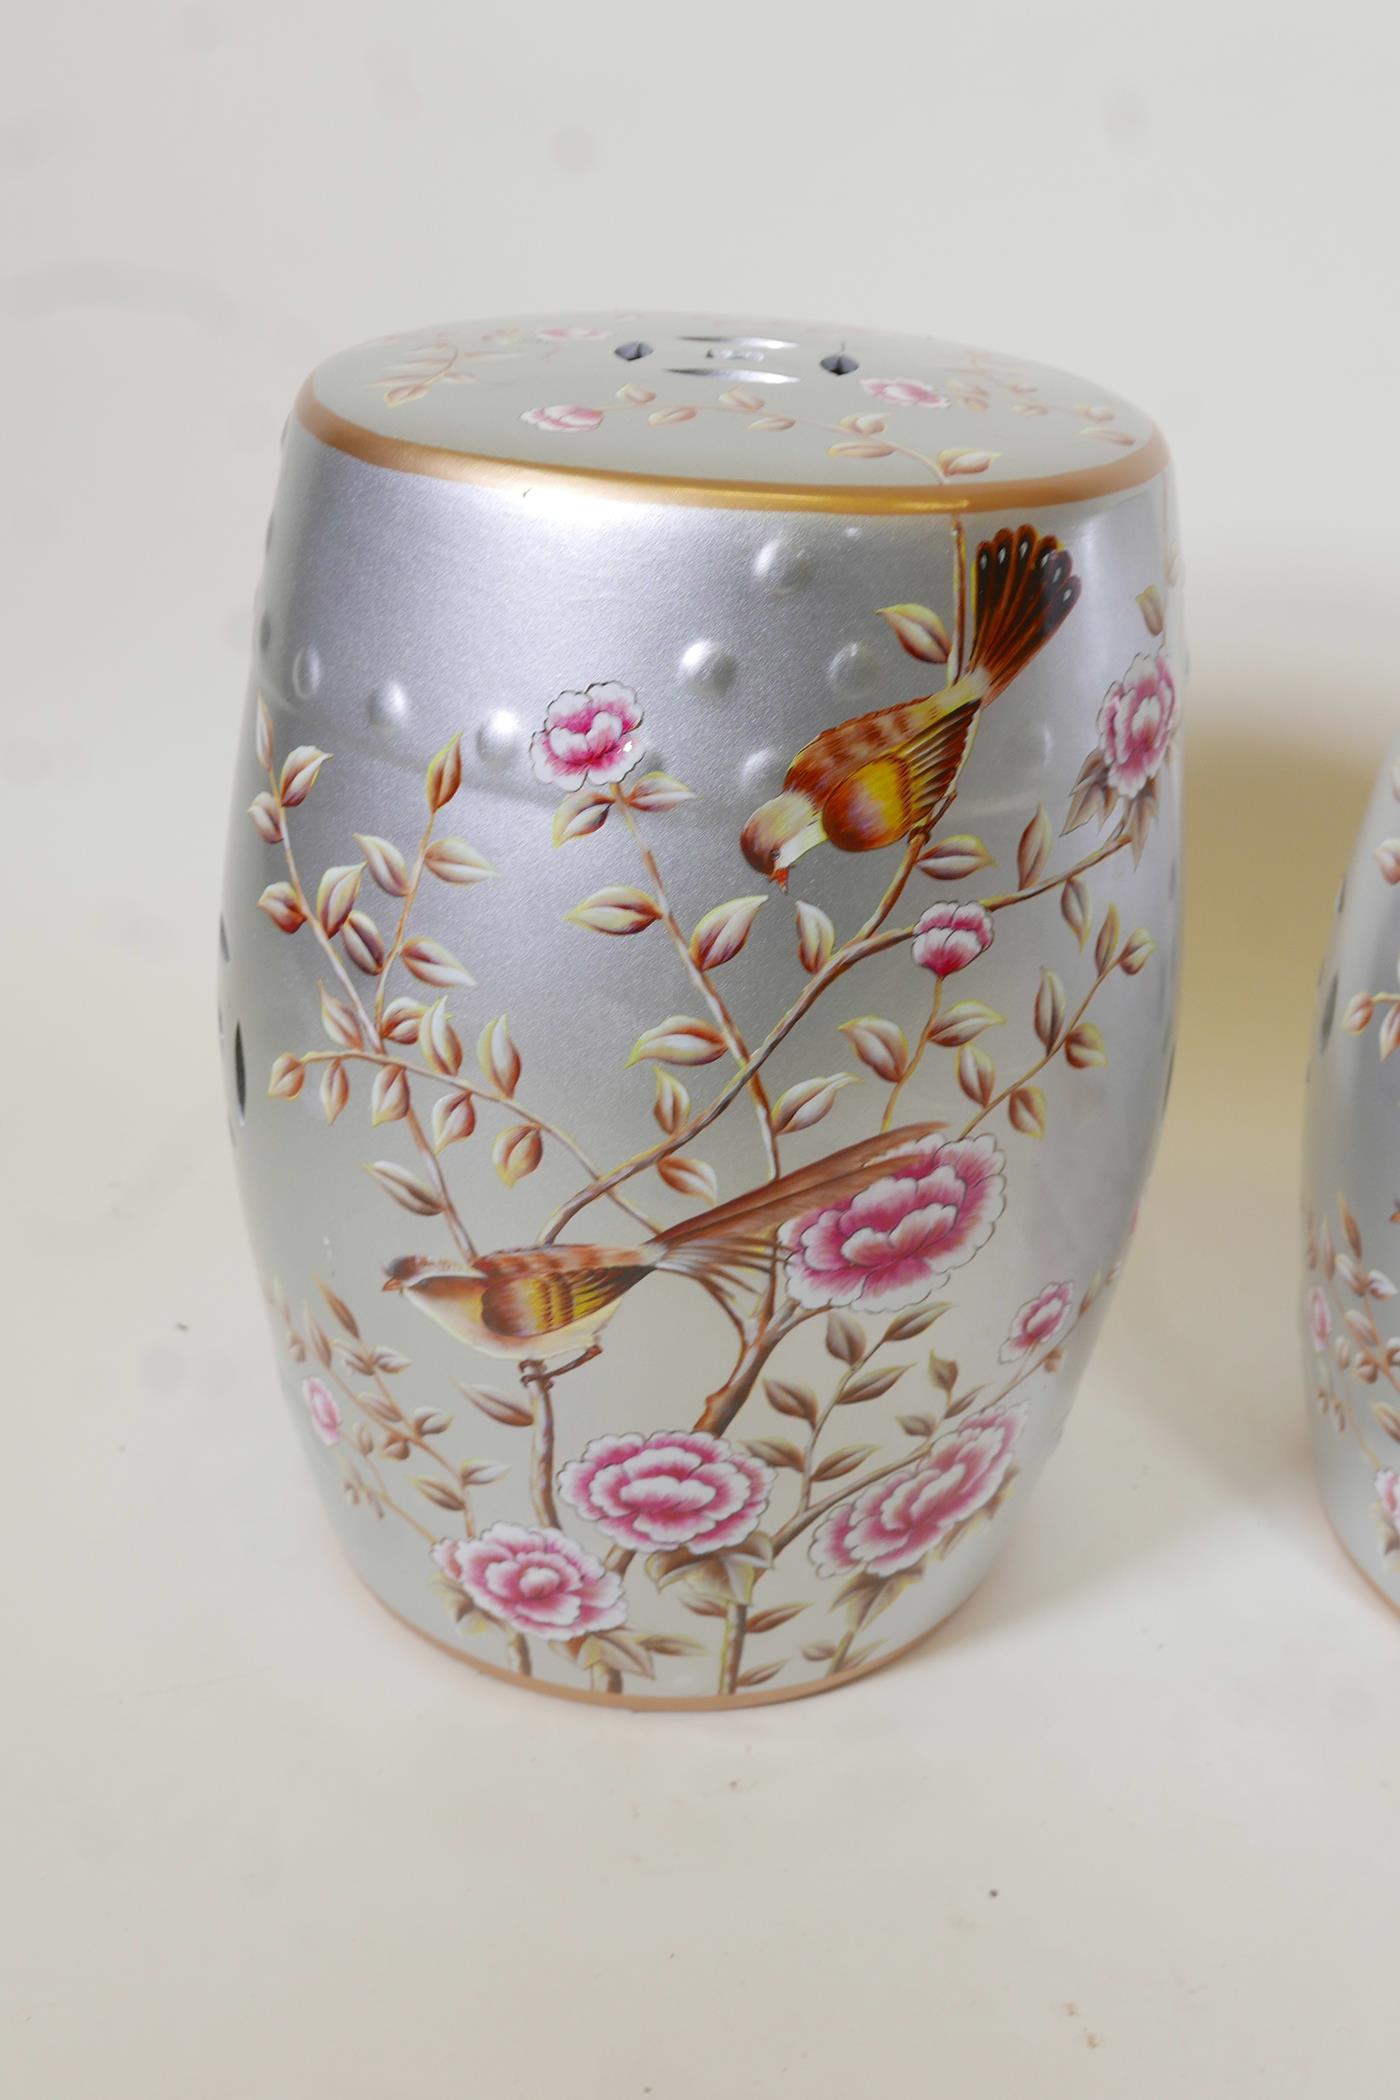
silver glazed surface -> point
(1351, 1202)
(698, 972)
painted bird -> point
(531, 1303)
(884, 776)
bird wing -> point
(852, 743)
(838, 750)
(542, 1290)
(903, 789)
(934, 758)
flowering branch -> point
(866, 941)
(701, 979)
(961, 1413)
(479, 1092)
(725, 1402)
(365, 1446)
(869, 427)
(1059, 1043)
(873, 938)
(448, 1208)
(925, 1038)
(410, 897)
(720, 1549)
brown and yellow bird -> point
(883, 776)
(531, 1303)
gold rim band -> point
(517, 476)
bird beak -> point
(779, 877)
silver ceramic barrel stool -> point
(699, 962)
(1351, 1201)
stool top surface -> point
(717, 409)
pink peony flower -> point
(1319, 1317)
(536, 1581)
(898, 1239)
(565, 415)
(897, 1521)
(676, 1488)
(950, 936)
(571, 335)
(1038, 1322)
(1388, 1498)
(905, 393)
(1136, 723)
(588, 737)
(323, 1408)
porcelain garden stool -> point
(699, 972)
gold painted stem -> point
(842, 1650)
(368, 1457)
(455, 1225)
(866, 941)
(700, 978)
(724, 1404)
(731, 1654)
(1048, 1059)
(873, 938)
(887, 1120)
(409, 899)
(478, 1092)
(955, 664)
(537, 1382)
(796, 1525)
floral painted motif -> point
(588, 738)
(905, 393)
(893, 1525)
(1388, 1501)
(901, 1239)
(677, 1488)
(950, 936)
(1038, 1322)
(846, 1240)
(536, 1582)
(323, 1408)
(1357, 1367)
(564, 415)
(1353, 1350)
(1137, 722)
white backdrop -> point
(1126, 1829)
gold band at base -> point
(517, 476)
(781, 1693)
(662, 1705)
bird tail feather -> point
(1023, 588)
(738, 1228)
